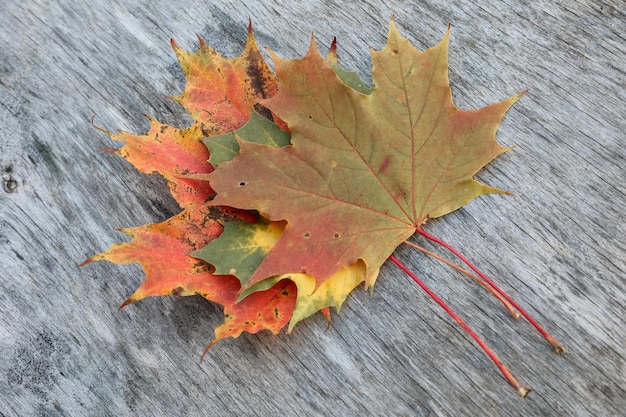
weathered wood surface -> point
(558, 246)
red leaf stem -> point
(522, 390)
(514, 313)
(555, 343)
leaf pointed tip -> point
(138, 295)
(446, 36)
(206, 350)
(201, 41)
(392, 26)
(332, 52)
(507, 103)
(291, 326)
(86, 261)
(519, 95)
(108, 132)
(326, 313)
(128, 301)
(312, 45)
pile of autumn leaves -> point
(270, 255)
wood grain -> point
(558, 246)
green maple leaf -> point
(258, 129)
(363, 171)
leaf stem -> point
(558, 348)
(507, 305)
(521, 389)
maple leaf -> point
(361, 168)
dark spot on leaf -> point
(256, 70)
(336, 235)
(224, 214)
(242, 183)
(394, 51)
(263, 111)
(178, 291)
(385, 164)
(307, 234)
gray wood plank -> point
(557, 246)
